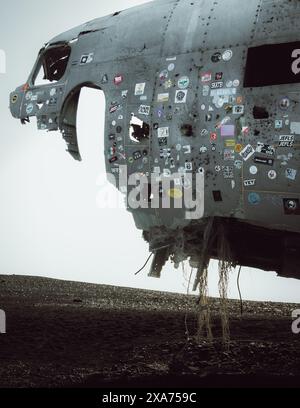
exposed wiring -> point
(238, 285)
(140, 270)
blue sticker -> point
(254, 198)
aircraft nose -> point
(15, 103)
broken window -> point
(52, 65)
(138, 130)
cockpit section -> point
(52, 64)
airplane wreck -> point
(205, 88)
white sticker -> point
(86, 58)
(272, 174)
(238, 110)
(183, 82)
(295, 128)
(249, 183)
(291, 174)
(253, 170)
(139, 89)
(163, 132)
(144, 110)
(171, 67)
(180, 96)
(164, 97)
(286, 140)
(227, 55)
(247, 152)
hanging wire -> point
(238, 285)
(140, 270)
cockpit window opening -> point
(52, 65)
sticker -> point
(227, 130)
(228, 172)
(206, 77)
(229, 155)
(217, 56)
(236, 83)
(247, 152)
(180, 96)
(203, 107)
(263, 160)
(291, 206)
(113, 123)
(213, 137)
(86, 58)
(295, 128)
(139, 89)
(144, 110)
(204, 132)
(291, 174)
(14, 98)
(238, 148)
(203, 149)
(219, 76)
(183, 82)
(189, 166)
(164, 75)
(229, 143)
(286, 141)
(171, 67)
(227, 55)
(187, 149)
(239, 100)
(175, 193)
(278, 124)
(238, 164)
(238, 110)
(118, 79)
(52, 91)
(254, 198)
(217, 85)
(168, 84)
(205, 90)
(272, 174)
(164, 97)
(163, 132)
(284, 103)
(229, 84)
(114, 108)
(113, 160)
(249, 183)
(253, 170)
(223, 92)
(104, 79)
(162, 141)
(265, 149)
(29, 109)
(137, 155)
(218, 168)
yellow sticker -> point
(230, 143)
(238, 148)
(14, 98)
(175, 193)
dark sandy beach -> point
(66, 334)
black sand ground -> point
(66, 334)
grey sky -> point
(50, 224)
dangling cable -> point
(144, 265)
(238, 285)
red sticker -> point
(118, 79)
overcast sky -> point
(50, 224)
